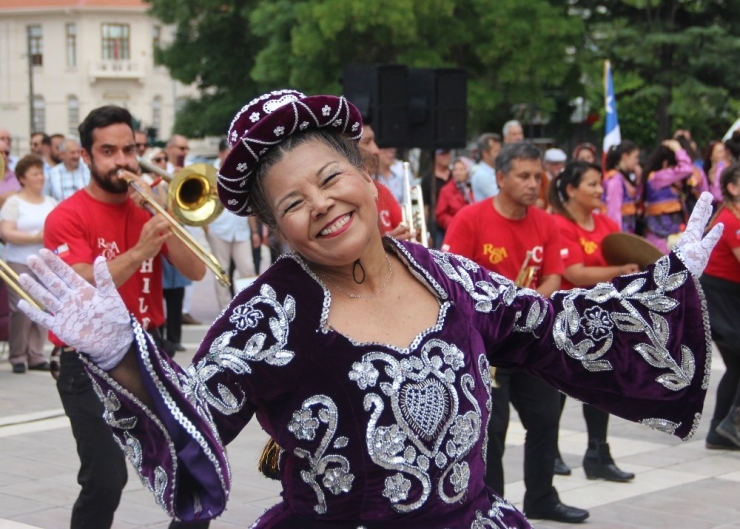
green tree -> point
(671, 62)
(518, 55)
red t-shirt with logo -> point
(482, 234)
(722, 262)
(389, 211)
(581, 246)
(81, 228)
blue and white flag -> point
(613, 135)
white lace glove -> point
(691, 248)
(92, 320)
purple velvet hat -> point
(268, 120)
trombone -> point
(192, 195)
(11, 279)
(177, 229)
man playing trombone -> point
(102, 219)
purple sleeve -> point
(613, 188)
(638, 347)
(177, 444)
(666, 177)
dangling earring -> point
(355, 266)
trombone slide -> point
(181, 233)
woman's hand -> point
(629, 268)
(672, 145)
(93, 320)
(691, 248)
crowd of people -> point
(406, 422)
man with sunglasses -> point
(141, 142)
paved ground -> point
(678, 485)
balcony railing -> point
(116, 69)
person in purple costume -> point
(366, 358)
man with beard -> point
(103, 220)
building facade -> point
(81, 54)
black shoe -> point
(561, 469)
(598, 464)
(19, 368)
(43, 366)
(180, 347)
(560, 513)
(717, 442)
(729, 428)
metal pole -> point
(31, 110)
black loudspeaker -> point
(438, 108)
(380, 92)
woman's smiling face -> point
(324, 206)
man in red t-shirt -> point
(511, 237)
(389, 211)
(102, 219)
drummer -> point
(574, 196)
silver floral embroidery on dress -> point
(596, 325)
(131, 446)
(492, 294)
(495, 516)
(422, 391)
(336, 478)
(222, 356)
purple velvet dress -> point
(376, 436)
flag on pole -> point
(612, 136)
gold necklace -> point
(368, 296)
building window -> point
(156, 36)
(157, 112)
(116, 42)
(36, 45)
(71, 44)
(73, 114)
(39, 114)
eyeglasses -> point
(142, 144)
(160, 159)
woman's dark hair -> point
(708, 155)
(733, 145)
(340, 143)
(731, 175)
(687, 146)
(572, 175)
(614, 156)
(656, 159)
(100, 118)
(25, 163)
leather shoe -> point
(561, 469)
(19, 368)
(560, 513)
(43, 366)
(187, 319)
(180, 347)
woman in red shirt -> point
(455, 194)
(575, 194)
(721, 282)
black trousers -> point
(173, 300)
(102, 474)
(538, 406)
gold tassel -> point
(269, 462)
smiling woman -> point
(367, 358)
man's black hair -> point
(100, 118)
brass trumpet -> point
(191, 197)
(413, 209)
(177, 230)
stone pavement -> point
(678, 485)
